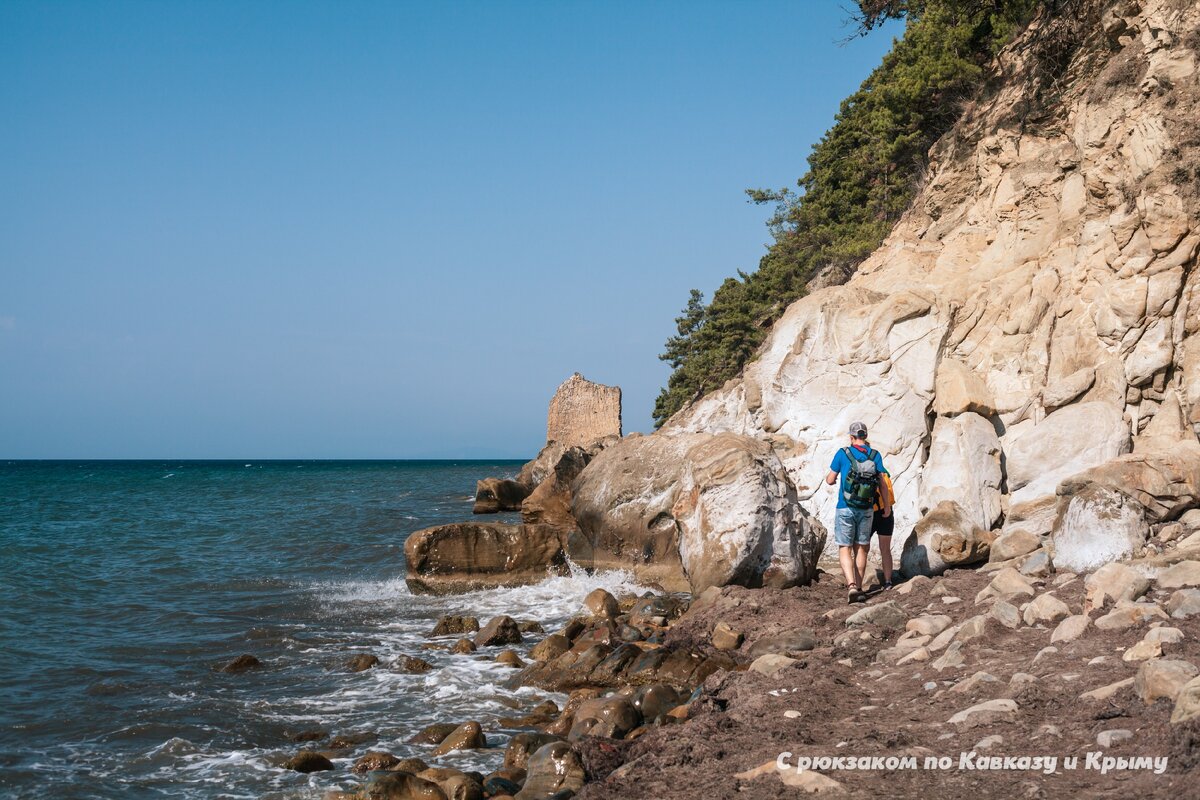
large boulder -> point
(696, 510)
(1164, 482)
(468, 556)
(550, 502)
(964, 466)
(1068, 441)
(1097, 525)
(945, 537)
(493, 495)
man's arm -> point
(831, 478)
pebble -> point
(1107, 739)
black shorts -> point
(881, 525)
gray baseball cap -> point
(858, 430)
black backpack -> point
(861, 483)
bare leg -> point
(861, 551)
(846, 559)
(885, 556)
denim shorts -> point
(852, 526)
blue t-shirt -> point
(841, 465)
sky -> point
(378, 230)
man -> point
(857, 471)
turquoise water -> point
(126, 584)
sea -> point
(126, 585)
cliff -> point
(1032, 314)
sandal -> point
(854, 595)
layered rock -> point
(1041, 283)
(583, 412)
(467, 556)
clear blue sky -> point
(377, 230)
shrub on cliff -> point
(862, 175)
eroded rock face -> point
(493, 495)
(464, 557)
(582, 412)
(694, 511)
(550, 502)
(1043, 281)
(1097, 525)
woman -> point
(883, 526)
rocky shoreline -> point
(669, 697)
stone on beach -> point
(467, 736)
(1162, 678)
(986, 713)
(308, 761)
(499, 630)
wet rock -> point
(550, 648)
(463, 647)
(601, 604)
(469, 556)
(628, 633)
(413, 765)
(493, 495)
(308, 761)
(467, 736)
(726, 638)
(455, 784)
(794, 641)
(454, 626)
(346, 740)
(1045, 608)
(656, 610)
(362, 662)
(373, 760)
(530, 626)
(888, 616)
(656, 700)
(1162, 677)
(308, 736)
(242, 663)
(433, 734)
(1070, 628)
(554, 767)
(499, 631)
(609, 717)
(1113, 582)
(411, 665)
(500, 786)
(509, 659)
(1184, 603)
(1187, 702)
(986, 713)
(401, 786)
(523, 745)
